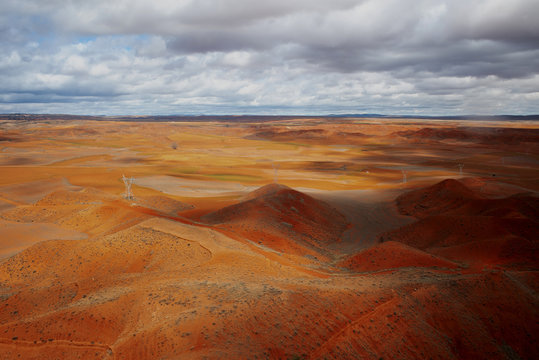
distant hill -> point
(253, 118)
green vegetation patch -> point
(185, 170)
(235, 177)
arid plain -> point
(279, 239)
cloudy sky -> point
(427, 57)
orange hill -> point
(451, 197)
(283, 219)
(482, 134)
(390, 255)
(434, 200)
(310, 136)
(456, 223)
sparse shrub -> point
(296, 357)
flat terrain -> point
(284, 239)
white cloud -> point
(10, 60)
(237, 58)
(75, 64)
(387, 56)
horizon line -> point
(331, 115)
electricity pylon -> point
(128, 182)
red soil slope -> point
(283, 219)
(87, 211)
(480, 316)
(435, 133)
(482, 134)
(163, 204)
(456, 223)
(310, 136)
(291, 135)
(390, 255)
(434, 200)
(451, 197)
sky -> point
(299, 57)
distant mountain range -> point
(254, 118)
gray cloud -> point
(388, 56)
